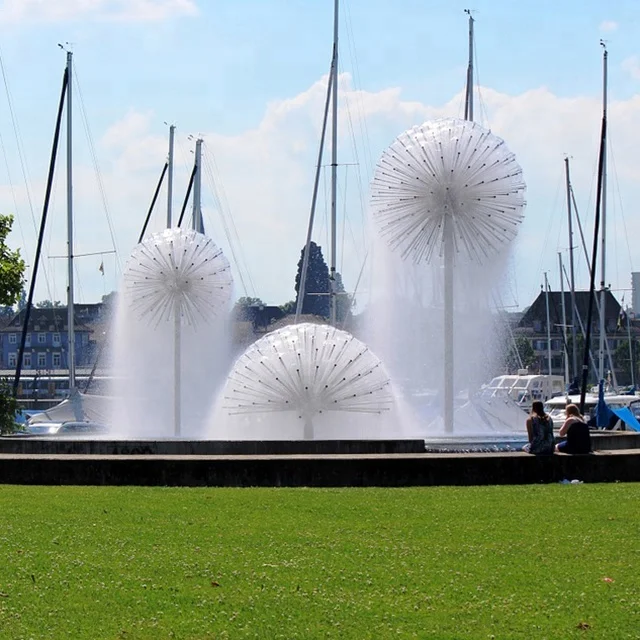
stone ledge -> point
(318, 471)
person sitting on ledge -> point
(539, 430)
(577, 432)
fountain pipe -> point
(177, 386)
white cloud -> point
(632, 66)
(608, 26)
(267, 174)
(13, 11)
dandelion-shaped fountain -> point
(448, 190)
(178, 277)
(308, 370)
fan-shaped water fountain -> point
(306, 381)
(172, 350)
(447, 198)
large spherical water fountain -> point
(447, 197)
(173, 345)
(305, 381)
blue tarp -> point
(627, 417)
(604, 413)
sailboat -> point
(78, 407)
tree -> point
(288, 308)
(11, 266)
(524, 349)
(11, 286)
(622, 362)
(241, 307)
(47, 304)
(316, 295)
(344, 301)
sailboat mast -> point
(448, 251)
(546, 298)
(197, 189)
(172, 130)
(334, 166)
(572, 282)
(603, 245)
(564, 323)
(71, 347)
(468, 103)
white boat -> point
(555, 407)
(524, 388)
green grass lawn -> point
(553, 561)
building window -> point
(56, 339)
(42, 360)
(12, 359)
(56, 361)
(27, 342)
(42, 338)
(26, 360)
(540, 345)
(13, 338)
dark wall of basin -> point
(320, 471)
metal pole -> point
(468, 105)
(71, 347)
(564, 324)
(334, 167)
(302, 285)
(572, 282)
(197, 190)
(177, 388)
(603, 246)
(448, 323)
(631, 362)
(172, 130)
(546, 288)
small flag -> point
(101, 267)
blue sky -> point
(248, 76)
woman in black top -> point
(577, 432)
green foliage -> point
(316, 298)
(8, 408)
(622, 360)
(288, 308)
(344, 301)
(48, 304)
(11, 287)
(527, 354)
(240, 309)
(11, 266)
(523, 562)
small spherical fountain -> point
(308, 370)
(177, 277)
(448, 193)
(176, 273)
(447, 175)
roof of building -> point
(44, 319)
(538, 310)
